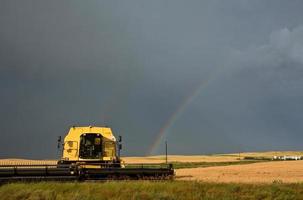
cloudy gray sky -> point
(131, 65)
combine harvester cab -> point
(88, 153)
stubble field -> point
(264, 172)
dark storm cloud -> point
(255, 100)
(131, 64)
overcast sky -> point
(131, 64)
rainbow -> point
(165, 130)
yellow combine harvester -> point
(89, 153)
(90, 145)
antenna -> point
(59, 144)
(119, 146)
(166, 151)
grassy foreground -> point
(148, 190)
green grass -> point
(147, 190)
(181, 165)
(256, 158)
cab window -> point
(90, 146)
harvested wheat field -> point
(136, 160)
(265, 172)
(27, 162)
(211, 158)
(176, 158)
